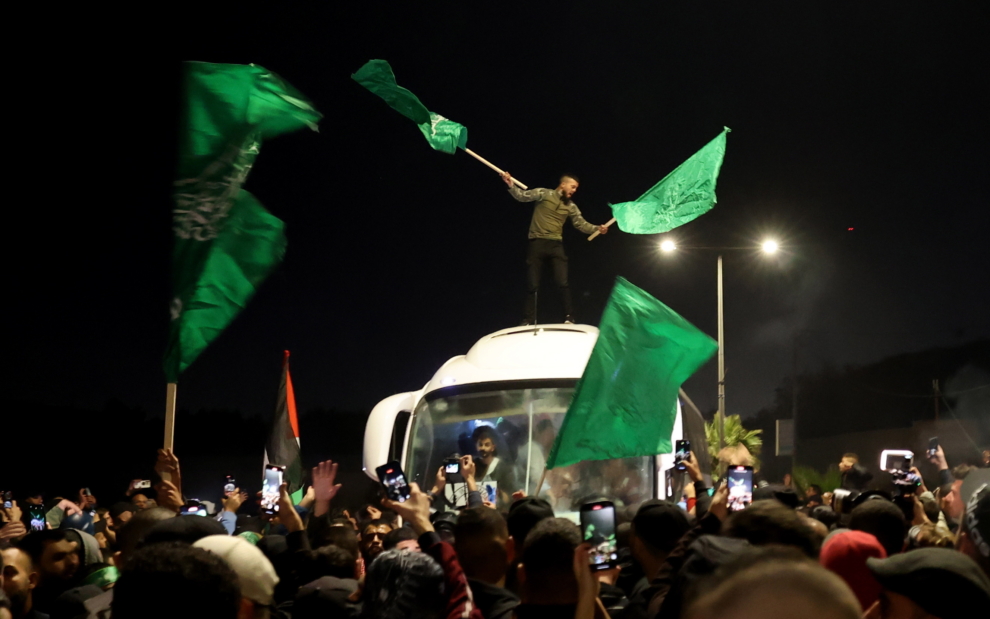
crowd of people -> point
(858, 553)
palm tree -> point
(735, 434)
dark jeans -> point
(541, 250)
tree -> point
(735, 435)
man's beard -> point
(18, 602)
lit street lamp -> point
(769, 247)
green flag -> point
(626, 401)
(226, 243)
(442, 134)
(682, 196)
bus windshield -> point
(510, 432)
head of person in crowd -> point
(930, 582)
(813, 495)
(524, 514)
(930, 505)
(403, 585)
(402, 538)
(19, 580)
(847, 462)
(772, 522)
(483, 544)
(35, 498)
(186, 529)
(256, 576)
(329, 560)
(544, 434)
(546, 573)
(772, 582)
(444, 523)
(655, 530)
(882, 519)
(778, 492)
(928, 535)
(974, 530)
(140, 501)
(343, 537)
(485, 443)
(205, 582)
(56, 556)
(373, 539)
(825, 515)
(845, 554)
(131, 534)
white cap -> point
(254, 571)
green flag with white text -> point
(626, 401)
(442, 134)
(226, 243)
(682, 196)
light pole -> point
(768, 247)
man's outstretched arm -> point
(528, 195)
(582, 224)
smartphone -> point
(682, 454)
(452, 466)
(36, 513)
(193, 508)
(270, 488)
(393, 480)
(598, 529)
(932, 446)
(8, 499)
(740, 487)
(229, 485)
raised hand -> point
(233, 501)
(324, 476)
(507, 178)
(692, 467)
(12, 530)
(468, 469)
(720, 502)
(415, 510)
(287, 513)
(169, 496)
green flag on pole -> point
(626, 401)
(682, 196)
(442, 134)
(226, 243)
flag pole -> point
(492, 166)
(539, 486)
(597, 232)
(169, 422)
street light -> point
(768, 247)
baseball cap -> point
(524, 514)
(845, 554)
(255, 573)
(780, 492)
(928, 576)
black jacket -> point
(493, 602)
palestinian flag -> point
(283, 441)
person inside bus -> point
(492, 471)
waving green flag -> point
(442, 134)
(226, 243)
(682, 196)
(626, 401)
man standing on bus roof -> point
(546, 234)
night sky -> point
(859, 141)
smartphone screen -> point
(740, 487)
(682, 454)
(452, 467)
(229, 485)
(393, 481)
(37, 515)
(193, 508)
(8, 499)
(270, 488)
(932, 446)
(598, 529)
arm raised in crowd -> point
(710, 523)
(702, 500)
(416, 511)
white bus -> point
(519, 382)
